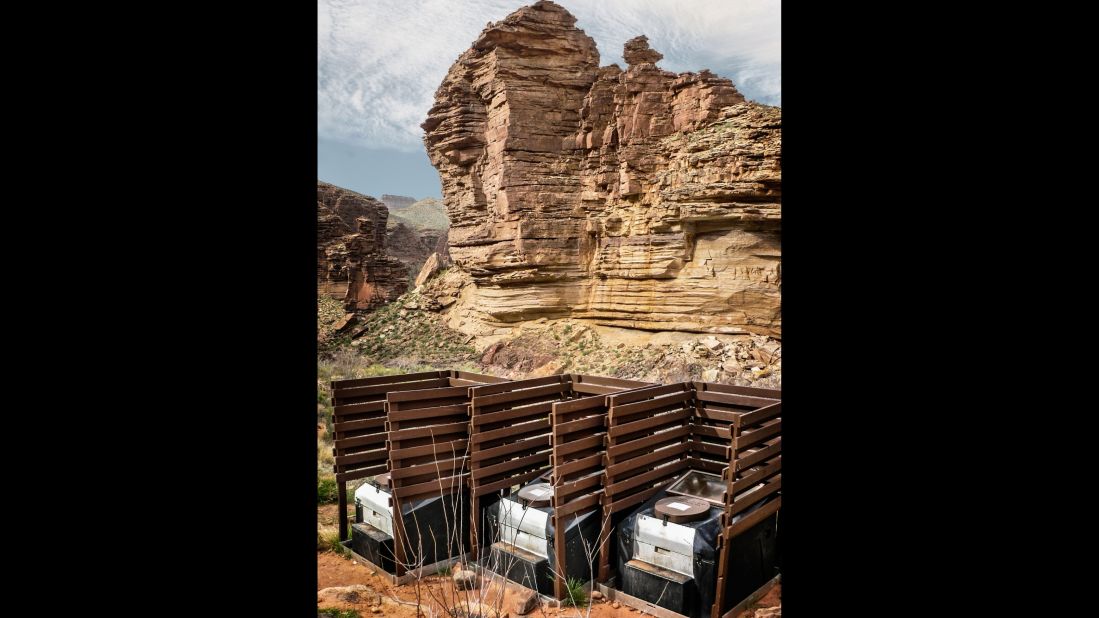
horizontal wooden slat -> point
(374, 438)
(708, 448)
(641, 479)
(580, 464)
(359, 425)
(429, 393)
(707, 465)
(762, 414)
(343, 477)
(745, 524)
(581, 504)
(492, 389)
(734, 400)
(576, 405)
(625, 503)
(516, 430)
(537, 442)
(422, 413)
(618, 411)
(366, 391)
(591, 422)
(575, 446)
(654, 457)
(713, 414)
(442, 448)
(394, 379)
(359, 408)
(346, 460)
(749, 499)
(481, 490)
(481, 378)
(645, 393)
(565, 491)
(648, 424)
(519, 395)
(435, 487)
(755, 478)
(515, 415)
(711, 431)
(752, 438)
(618, 450)
(595, 389)
(429, 431)
(481, 472)
(750, 459)
(768, 393)
(443, 467)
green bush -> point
(332, 612)
(327, 493)
(575, 596)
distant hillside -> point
(426, 214)
(397, 202)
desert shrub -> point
(327, 492)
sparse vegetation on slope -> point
(426, 214)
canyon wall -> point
(637, 198)
(352, 264)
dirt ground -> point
(400, 601)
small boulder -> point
(595, 594)
(466, 580)
(525, 602)
(344, 594)
(616, 605)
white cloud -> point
(380, 61)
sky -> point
(379, 63)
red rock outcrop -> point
(352, 264)
(637, 198)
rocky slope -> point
(396, 202)
(634, 198)
(352, 263)
(426, 214)
(416, 230)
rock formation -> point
(352, 263)
(637, 198)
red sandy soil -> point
(333, 570)
(400, 601)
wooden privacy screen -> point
(509, 437)
(428, 433)
(609, 445)
(647, 447)
(359, 422)
(359, 426)
(717, 406)
(655, 434)
(753, 473)
(578, 429)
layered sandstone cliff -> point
(637, 198)
(352, 264)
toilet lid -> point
(680, 509)
(537, 494)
